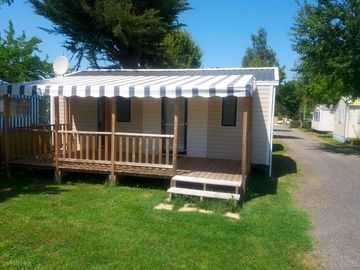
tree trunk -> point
(130, 61)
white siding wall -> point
(223, 142)
(61, 110)
(326, 122)
(315, 125)
(152, 115)
(260, 140)
(339, 128)
(197, 127)
(84, 112)
(354, 126)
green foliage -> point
(289, 99)
(9, 2)
(126, 33)
(295, 124)
(326, 36)
(18, 58)
(261, 54)
(323, 90)
(179, 51)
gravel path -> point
(330, 191)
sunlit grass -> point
(85, 224)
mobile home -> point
(194, 125)
(347, 120)
(323, 119)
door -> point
(167, 120)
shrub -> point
(354, 141)
(294, 124)
(306, 124)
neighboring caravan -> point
(347, 120)
(323, 119)
(127, 122)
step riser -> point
(203, 193)
(214, 182)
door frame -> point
(184, 152)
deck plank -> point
(209, 168)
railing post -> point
(112, 177)
(7, 138)
(176, 136)
(69, 114)
(58, 177)
(249, 134)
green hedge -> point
(306, 124)
(294, 124)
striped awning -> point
(145, 84)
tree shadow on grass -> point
(27, 181)
(344, 149)
(260, 184)
(72, 178)
(144, 182)
(287, 137)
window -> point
(20, 107)
(229, 111)
(342, 116)
(123, 109)
(317, 116)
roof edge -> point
(276, 69)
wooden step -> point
(204, 193)
(189, 179)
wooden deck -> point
(209, 168)
(229, 170)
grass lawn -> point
(85, 224)
(327, 138)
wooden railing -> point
(84, 145)
(85, 150)
(41, 127)
(143, 148)
(26, 142)
(129, 147)
(36, 142)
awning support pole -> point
(58, 176)
(7, 138)
(245, 144)
(176, 135)
(112, 177)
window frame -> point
(118, 100)
(235, 112)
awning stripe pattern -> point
(137, 86)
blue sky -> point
(222, 28)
